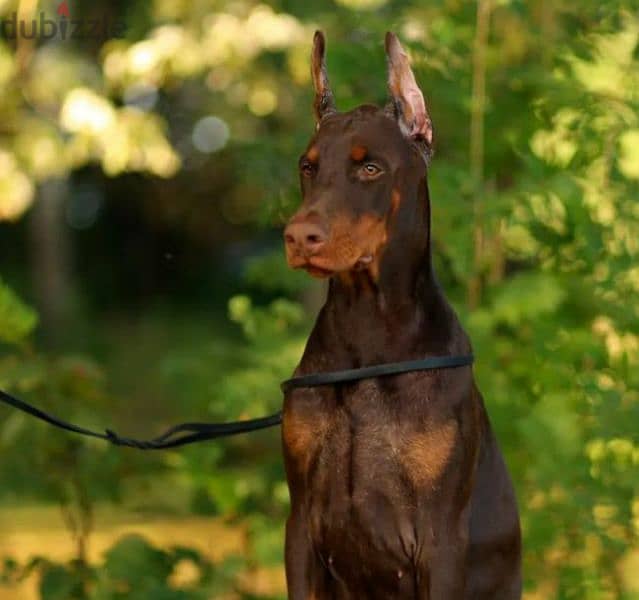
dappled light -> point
(86, 112)
(210, 134)
(16, 190)
(124, 139)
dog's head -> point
(358, 171)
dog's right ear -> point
(407, 100)
(324, 103)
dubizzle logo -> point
(64, 28)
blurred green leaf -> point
(17, 320)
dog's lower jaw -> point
(366, 262)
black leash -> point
(423, 364)
(194, 432)
(198, 432)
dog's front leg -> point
(442, 563)
(305, 576)
(444, 577)
(298, 556)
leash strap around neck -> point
(424, 364)
(190, 433)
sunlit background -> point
(143, 184)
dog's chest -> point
(362, 458)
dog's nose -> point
(308, 237)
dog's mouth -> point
(353, 246)
(316, 267)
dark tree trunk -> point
(51, 259)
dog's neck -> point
(397, 312)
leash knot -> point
(114, 438)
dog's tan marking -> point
(302, 434)
(426, 455)
(351, 240)
(358, 153)
(346, 277)
(313, 154)
(396, 199)
(376, 236)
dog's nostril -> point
(314, 239)
(307, 238)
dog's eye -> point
(370, 170)
(307, 168)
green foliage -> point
(132, 569)
(17, 320)
(228, 475)
(268, 273)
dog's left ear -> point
(407, 99)
(324, 104)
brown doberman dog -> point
(398, 488)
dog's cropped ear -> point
(324, 103)
(407, 100)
